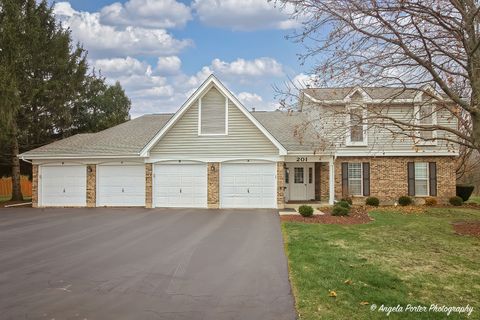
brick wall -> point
(280, 185)
(213, 192)
(91, 186)
(148, 185)
(35, 186)
(388, 176)
(324, 181)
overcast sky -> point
(161, 50)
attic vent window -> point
(213, 113)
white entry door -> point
(248, 185)
(301, 181)
(180, 185)
(121, 185)
(63, 186)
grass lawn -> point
(474, 199)
(7, 198)
(397, 259)
(4, 198)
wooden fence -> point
(6, 186)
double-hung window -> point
(421, 179)
(355, 179)
(357, 127)
(425, 115)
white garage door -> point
(63, 186)
(180, 185)
(248, 185)
(121, 185)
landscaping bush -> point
(430, 202)
(405, 201)
(305, 211)
(464, 191)
(340, 211)
(348, 200)
(456, 201)
(372, 201)
(343, 203)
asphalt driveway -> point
(142, 264)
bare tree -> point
(431, 45)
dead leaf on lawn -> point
(348, 281)
(364, 303)
(332, 294)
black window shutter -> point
(432, 175)
(366, 178)
(411, 178)
(345, 178)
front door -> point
(301, 181)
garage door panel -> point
(121, 185)
(180, 185)
(63, 185)
(248, 185)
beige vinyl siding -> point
(332, 127)
(244, 138)
(213, 113)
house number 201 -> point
(302, 159)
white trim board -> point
(211, 80)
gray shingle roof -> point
(291, 129)
(128, 138)
(373, 92)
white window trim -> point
(361, 180)
(200, 119)
(428, 180)
(418, 140)
(349, 141)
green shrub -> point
(405, 201)
(430, 201)
(464, 191)
(348, 200)
(343, 203)
(305, 211)
(372, 201)
(456, 201)
(340, 211)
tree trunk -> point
(16, 189)
(476, 130)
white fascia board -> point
(211, 80)
(156, 159)
(73, 157)
(398, 154)
(372, 101)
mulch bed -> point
(358, 215)
(470, 228)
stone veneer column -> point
(213, 177)
(148, 185)
(280, 185)
(35, 185)
(91, 185)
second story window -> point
(357, 128)
(425, 115)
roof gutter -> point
(70, 156)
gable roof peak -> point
(204, 87)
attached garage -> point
(248, 185)
(180, 185)
(121, 185)
(62, 185)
